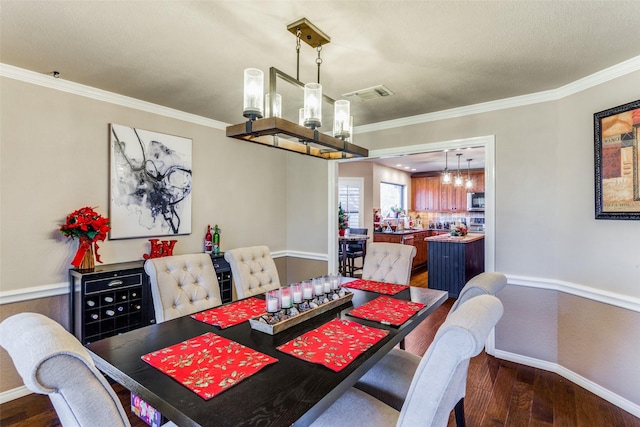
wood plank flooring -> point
(499, 393)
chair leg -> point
(459, 412)
(402, 344)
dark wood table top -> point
(289, 392)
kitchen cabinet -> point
(414, 238)
(429, 195)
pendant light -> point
(446, 175)
(458, 179)
(301, 135)
(468, 183)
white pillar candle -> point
(319, 288)
(286, 301)
(297, 297)
(272, 305)
(308, 292)
(327, 286)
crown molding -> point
(590, 81)
(48, 81)
(603, 76)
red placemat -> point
(387, 310)
(334, 344)
(232, 314)
(373, 286)
(208, 364)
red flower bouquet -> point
(89, 227)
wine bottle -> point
(95, 316)
(110, 313)
(91, 302)
(108, 299)
(216, 240)
(208, 245)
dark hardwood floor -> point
(499, 393)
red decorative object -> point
(334, 344)
(387, 310)
(231, 314)
(89, 227)
(373, 286)
(341, 232)
(160, 248)
(208, 364)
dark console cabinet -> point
(223, 272)
(110, 300)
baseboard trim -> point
(13, 394)
(594, 388)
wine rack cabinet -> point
(109, 300)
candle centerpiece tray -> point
(258, 323)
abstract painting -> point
(617, 162)
(150, 183)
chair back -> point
(52, 361)
(440, 380)
(253, 270)
(182, 285)
(488, 283)
(388, 262)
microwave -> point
(475, 202)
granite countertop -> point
(403, 232)
(470, 237)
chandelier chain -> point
(298, 34)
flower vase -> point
(341, 232)
(88, 261)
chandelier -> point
(265, 124)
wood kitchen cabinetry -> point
(429, 195)
(414, 238)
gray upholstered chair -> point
(52, 361)
(439, 383)
(253, 270)
(182, 285)
(388, 262)
(390, 378)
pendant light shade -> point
(253, 93)
(341, 115)
(446, 175)
(458, 179)
(468, 183)
(277, 105)
(313, 105)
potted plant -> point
(343, 220)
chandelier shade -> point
(253, 93)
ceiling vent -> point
(368, 93)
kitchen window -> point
(350, 197)
(391, 196)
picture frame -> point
(617, 162)
(150, 183)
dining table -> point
(288, 392)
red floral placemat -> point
(373, 286)
(387, 310)
(232, 314)
(334, 344)
(208, 364)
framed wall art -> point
(150, 186)
(617, 162)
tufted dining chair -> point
(52, 361)
(438, 384)
(390, 378)
(253, 270)
(388, 262)
(182, 284)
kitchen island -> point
(454, 260)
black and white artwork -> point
(150, 183)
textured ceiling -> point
(433, 55)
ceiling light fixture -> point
(458, 179)
(468, 183)
(446, 175)
(301, 137)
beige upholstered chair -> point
(253, 270)
(182, 284)
(439, 383)
(388, 262)
(389, 379)
(52, 361)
